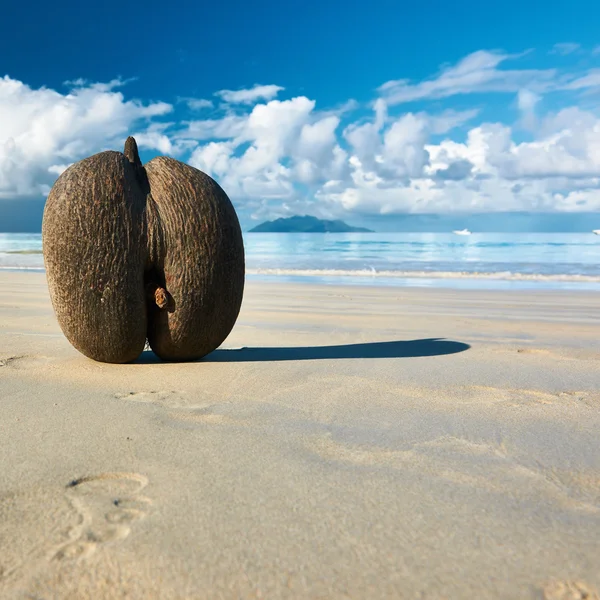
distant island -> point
(25, 216)
(306, 224)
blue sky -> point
(340, 109)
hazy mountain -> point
(305, 224)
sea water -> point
(490, 260)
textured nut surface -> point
(200, 261)
(134, 253)
(94, 245)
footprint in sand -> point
(189, 409)
(569, 590)
(107, 505)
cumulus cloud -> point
(42, 130)
(275, 146)
(488, 171)
(249, 96)
(570, 149)
(278, 155)
(227, 126)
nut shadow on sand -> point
(393, 349)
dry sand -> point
(362, 443)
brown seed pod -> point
(135, 253)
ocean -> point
(497, 261)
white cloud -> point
(249, 96)
(154, 140)
(271, 129)
(565, 48)
(317, 138)
(403, 153)
(316, 154)
(573, 151)
(527, 101)
(99, 86)
(476, 73)
(213, 158)
(589, 80)
(487, 172)
(57, 169)
(278, 145)
(450, 119)
(228, 126)
(285, 156)
(365, 138)
(251, 162)
(41, 130)
(479, 73)
(567, 119)
(197, 103)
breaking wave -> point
(499, 275)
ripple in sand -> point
(479, 465)
(520, 397)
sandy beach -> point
(345, 442)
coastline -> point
(458, 280)
(346, 441)
(480, 261)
